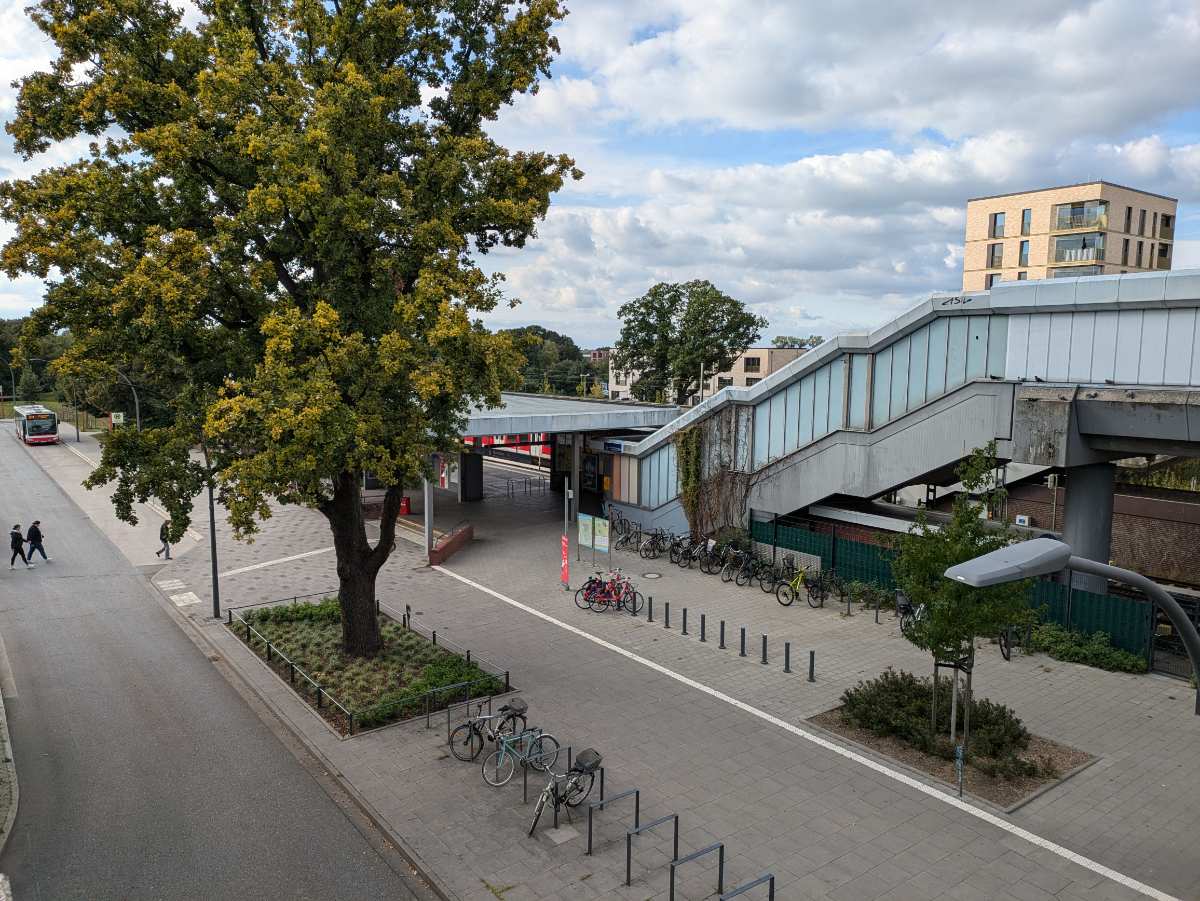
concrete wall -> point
(669, 516)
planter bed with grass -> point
(396, 684)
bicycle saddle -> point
(587, 761)
(516, 705)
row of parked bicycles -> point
(782, 578)
(609, 591)
(519, 744)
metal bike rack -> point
(719, 847)
(525, 767)
(768, 878)
(638, 831)
(604, 802)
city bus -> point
(36, 424)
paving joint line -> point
(897, 776)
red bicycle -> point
(613, 591)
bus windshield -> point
(40, 424)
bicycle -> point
(910, 616)
(787, 591)
(466, 741)
(630, 539)
(577, 785)
(655, 542)
(533, 748)
(822, 584)
(600, 594)
(1014, 635)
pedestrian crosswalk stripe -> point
(186, 599)
(171, 584)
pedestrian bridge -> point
(1065, 373)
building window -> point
(1128, 220)
(1142, 222)
(995, 256)
(1150, 259)
(724, 381)
(991, 279)
(996, 227)
(1026, 221)
(1075, 271)
(1022, 276)
(1125, 252)
(1079, 248)
(1023, 256)
(1164, 251)
(1138, 261)
(1168, 227)
(1154, 225)
(752, 381)
(751, 364)
(1085, 214)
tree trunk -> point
(358, 563)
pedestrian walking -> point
(165, 537)
(16, 541)
(34, 539)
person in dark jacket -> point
(165, 537)
(16, 541)
(34, 538)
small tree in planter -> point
(955, 614)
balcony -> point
(1078, 254)
(1072, 220)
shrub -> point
(1076, 647)
(897, 704)
(327, 611)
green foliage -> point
(869, 595)
(673, 330)
(957, 613)
(1076, 647)
(897, 705)
(276, 234)
(327, 611)
(806, 343)
(29, 386)
(1179, 473)
(688, 449)
(554, 364)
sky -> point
(812, 159)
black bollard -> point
(685, 621)
(764, 660)
(650, 609)
(722, 644)
(812, 666)
(702, 638)
(666, 614)
(787, 656)
(743, 651)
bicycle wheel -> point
(537, 811)
(727, 572)
(634, 602)
(513, 724)
(466, 742)
(543, 751)
(498, 767)
(742, 578)
(1005, 644)
(785, 594)
(673, 554)
(816, 594)
(581, 596)
(600, 602)
(906, 622)
(767, 580)
(578, 787)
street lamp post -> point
(1043, 556)
(137, 407)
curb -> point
(9, 765)
(244, 684)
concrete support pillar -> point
(427, 499)
(576, 461)
(1087, 524)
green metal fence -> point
(1128, 622)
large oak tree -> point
(275, 231)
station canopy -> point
(531, 413)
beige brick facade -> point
(1064, 241)
(754, 365)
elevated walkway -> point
(1062, 373)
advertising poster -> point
(600, 529)
(586, 525)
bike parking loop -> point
(604, 802)
(646, 828)
(768, 878)
(719, 847)
(525, 768)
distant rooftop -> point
(1082, 184)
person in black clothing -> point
(34, 538)
(165, 537)
(16, 541)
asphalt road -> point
(142, 772)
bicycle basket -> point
(587, 761)
(517, 705)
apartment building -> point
(1094, 228)
(754, 365)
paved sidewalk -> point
(827, 827)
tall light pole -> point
(137, 407)
(212, 535)
(1043, 556)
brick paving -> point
(826, 826)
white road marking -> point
(171, 584)
(186, 599)
(265, 564)
(984, 815)
(192, 533)
(8, 683)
